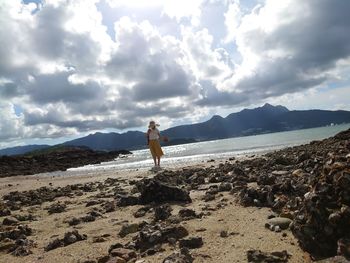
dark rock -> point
(179, 257)
(99, 239)
(151, 235)
(69, 238)
(281, 222)
(27, 217)
(124, 253)
(58, 159)
(127, 200)
(276, 257)
(7, 244)
(22, 247)
(4, 210)
(344, 247)
(128, 229)
(56, 208)
(191, 242)
(196, 179)
(15, 233)
(88, 218)
(74, 221)
(93, 202)
(72, 237)
(187, 213)
(336, 259)
(103, 259)
(155, 191)
(109, 206)
(209, 197)
(56, 243)
(117, 245)
(223, 233)
(162, 212)
(10, 221)
(141, 211)
(225, 187)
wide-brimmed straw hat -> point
(155, 124)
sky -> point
(70, 68)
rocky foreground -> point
(59, 159)
(261, 204)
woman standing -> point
(153, 137)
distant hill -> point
(111, 141)
(22, 149)
(265, 119)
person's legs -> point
(153, 152)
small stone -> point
(127, 200)
(273, 257)
(223, 233)
(124, 253)
(54, 244)
(128, 229)
(9, 221)
(109, 206)
(7, 244)
(56, 208)
(98, 239)
(281, 222)
(225, 187)
(74, 221)
(191, 242)
(116, 260)
(187, 213)
(162, 212)
(179, 257)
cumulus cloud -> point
(289, 46)
(70, 73)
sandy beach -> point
(244, 225)
(260, 208)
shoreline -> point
(222, 211)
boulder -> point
(158, 192)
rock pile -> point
(310, 184)
(68, 239)
(13, 239)
(54, 160)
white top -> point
(153, 134)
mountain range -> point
(265, 119)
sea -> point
(194, 153)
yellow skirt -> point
(155, 148)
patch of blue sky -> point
(18, 109)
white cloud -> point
(167, 59)
(233, 18)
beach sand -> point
(245, 225)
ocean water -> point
(186, 154)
